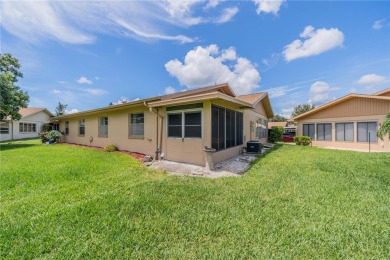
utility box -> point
(253, 147)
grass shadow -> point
(10, 146)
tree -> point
(385, 128)
(60, 109)
(300, 109)
(276, 134)
(279, 118)
(12, 98)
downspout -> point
(159, 140)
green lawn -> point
(59, 201)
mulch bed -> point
(138, 156)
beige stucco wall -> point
(383, 146)
(188, 150)
(118, 129)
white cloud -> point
(31, 20)
(377, 25)
(71, 111)
(227, 15)
(84, 80)
(372, 80)
(315, 42)
(181, 11)
(286, 112)
(132, 29)
(95, 91)
(212, 4)
(268, 6)
(320, 92)
(80, 22)
(169, 90)
(205, 66)
(76, 22)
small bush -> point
(110, 148)
(276, 134)
(46, 136)
(302, 140)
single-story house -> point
(176, 127)
(288, 126)
(350, 122)
(29, 126)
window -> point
(193, 124)
(56, 127)
(66, 127)
(366, 130)
(4, 128)
(185, 124)
(308, 130)
(226, 128)
(103, 126)
(27, 128)
(137, 125)
(344, 132)
(261, 128)
(324, 132)
(82, 127)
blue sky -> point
(88, 54)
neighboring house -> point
(289, 127)
(28, 126)
(176, 127)
(350, 122)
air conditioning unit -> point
(253, 147)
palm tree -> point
(385, 128)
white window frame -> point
(130, 124)
(7, 124)
(81, 125)
(66, 128)
(26, 126)
(183, 123)
(100, 125)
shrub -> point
(110, 148)
(302, 140)
(276, 134)
(46, 136)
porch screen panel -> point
(218, 127)
(239, 128)
(230, 128)
(214, 128)
(221, 130)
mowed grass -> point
(60, 201)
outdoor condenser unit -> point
(253, 147)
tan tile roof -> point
(251, 98)
(271, 124)
(30, 110)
